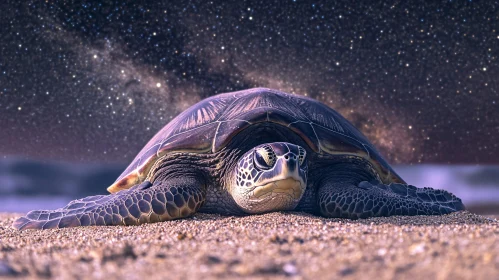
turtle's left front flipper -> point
(375, 199)
(144, 203)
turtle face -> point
(270, 177)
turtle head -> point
(270, 177)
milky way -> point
(93, 82)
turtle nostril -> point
(286, 157)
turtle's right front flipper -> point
(144, 203)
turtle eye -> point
(264, 157)
(302, 154)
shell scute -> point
(341, 143)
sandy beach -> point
(271, 246)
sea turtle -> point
(250, 152)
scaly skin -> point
(348, 190)
(144, 203)
(374, 199)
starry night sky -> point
(92, 81)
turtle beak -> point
(290, 186)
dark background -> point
(92, 81)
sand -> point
(271, 246)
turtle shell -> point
(209, 125)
